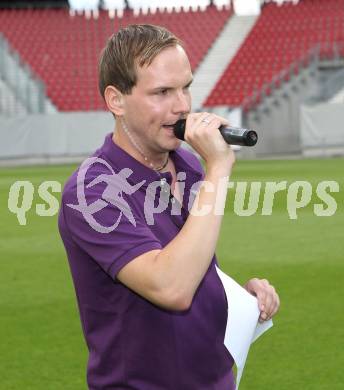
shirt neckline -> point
(118, 157)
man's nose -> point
(182, 102)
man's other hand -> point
(268, 299)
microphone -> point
(232, 135)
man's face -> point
(160, 97)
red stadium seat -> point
(63, 50)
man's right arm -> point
(170, 277)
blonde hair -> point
(132, 46)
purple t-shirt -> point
(113, 210)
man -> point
(140, 246)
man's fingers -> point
(276, 305)
(268, 300)
(197, 121)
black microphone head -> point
(179, 129)
(251, 138)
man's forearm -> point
(182, 264)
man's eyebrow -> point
(161, 88)
(169, 87)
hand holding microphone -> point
(232, 135)
(201, 131)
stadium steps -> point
(338, 98)
(21, 92)
(9, 104)
(333, 86)
(317, 143)
(276, 113)
(281, 35)
(219, 56)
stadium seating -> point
(63, 50)
(282, 35)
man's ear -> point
(114, 100)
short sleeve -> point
(112, 236)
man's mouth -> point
(169, 126)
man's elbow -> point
(176, 301)
(182, 304)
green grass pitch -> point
(41, 339)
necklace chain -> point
(139, 149)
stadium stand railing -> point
(281, 36)
(313, 57)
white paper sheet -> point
(243, 327)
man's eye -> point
(163, 92)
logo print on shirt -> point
(117, 184)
